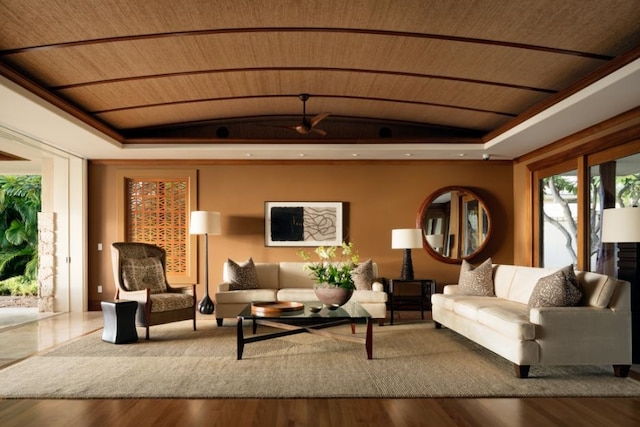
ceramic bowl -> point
(315, 309)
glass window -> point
(613, 184)
(558, 225)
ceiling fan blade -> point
(317, 119)
(319, 131)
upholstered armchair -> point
(139, 271)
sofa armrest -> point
(582, 335)
(224, 286)
(588, 323)
(450, 289)
(377, 287)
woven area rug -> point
(410, 360)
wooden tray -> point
(275, 307)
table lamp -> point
(407, 239)
(436, 241)
(205, 222)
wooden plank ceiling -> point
(150, 71)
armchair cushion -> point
(363, 276)
(169, 302)
(143, 273)
(242, 276)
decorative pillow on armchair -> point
(363, 275)
(560, 289)
(143, 273)
(478, 280)
(242, 276)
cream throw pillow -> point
(560, 289)
(477, 281)
(242, 276)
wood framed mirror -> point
(455, 223)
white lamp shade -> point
(205, 222)
(435, 240)
(621, 225)
(406, 238)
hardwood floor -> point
(18, 342)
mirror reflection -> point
(456, 224)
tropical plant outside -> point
(20, 202)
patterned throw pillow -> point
(560, 289)
(477, 281)
(242, 276)
(143, 273)
(363, 275)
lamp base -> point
(206, 305)
(407, 266)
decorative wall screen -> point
(157, 213)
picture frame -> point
(303, 223)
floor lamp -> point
(406, 239)
(622, 225)
(205, 222)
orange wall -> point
(380, 196)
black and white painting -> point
(303, 223)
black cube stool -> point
(119, 321)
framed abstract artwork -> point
(303, 223)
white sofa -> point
(598, 332)
(288, 281)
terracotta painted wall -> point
(380, 196)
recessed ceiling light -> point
(301, 154)
(248, 154)
(461, 155)
(408, 154)
(355, 154)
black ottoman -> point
(119, 321)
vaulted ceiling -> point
(390, 73)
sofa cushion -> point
(560, 289)
(242, 276)
(297, 294)
(477, 281)
(508, 318)
(143, 273)
(246, 296)
(597, 288)
(363, 276)
(295, 275)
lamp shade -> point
(621, 225)
(435, 240)
(205, 222)
(406, 238)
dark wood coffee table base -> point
(293, 329)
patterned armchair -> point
(139, 271)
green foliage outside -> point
(19, 286)
(20, 203)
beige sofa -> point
(598, 332)
(288, 281)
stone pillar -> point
(46, 260)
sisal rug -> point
(410, 360)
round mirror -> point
(455, 223)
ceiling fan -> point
(309, 126)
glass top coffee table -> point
(295, 318)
